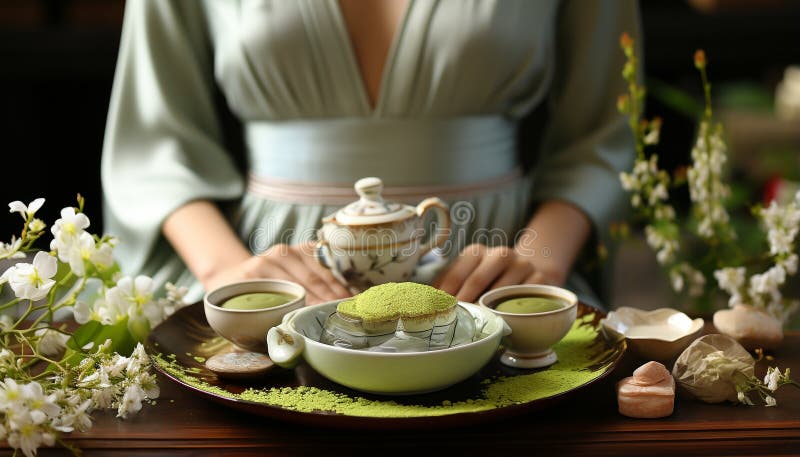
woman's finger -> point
(334, 286)
(541, 277)
(493, 264)
(291, 262)
(454, 276)
(515, 274)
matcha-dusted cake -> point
(399, 317)
(392, 301)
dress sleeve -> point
(587, 142)
(163, 144)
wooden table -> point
(587, 424)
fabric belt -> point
(318, 161)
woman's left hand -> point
(479, 268)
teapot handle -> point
(324, 256)
(442, 211)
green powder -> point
(394, 300)
(575, 367)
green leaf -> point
(94, 332)
(675, 98)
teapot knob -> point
(370, 188)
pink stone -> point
(649, 393)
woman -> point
(425, 94)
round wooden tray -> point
(184, 340)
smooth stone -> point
(238, 365)
(751, 327)
(648, 394)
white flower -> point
(11, 250)
(175, 294)
(651, 137)
(36, 225)
(75, 418)
(706, 188)
(147, 381)
(26, 211)
(665, 212)
(116, 365)
(67, 231)
(131, 401)
(103, 398)
(659, 193)
(28, 435)
(137, 360)
(780, 242)
(772, 378)
(40, 405)
(730, 279)
(79, 252)
(770, 401)
(790, 264)
(8, 361)
(10, 395)
(102, 256)
(743, 398)
(32, 281)
(6, 322)
(676, 279)
(629, 181)
(84, 250)
(52, 342)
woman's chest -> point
(298, 58)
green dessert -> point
(258, 300)
(531, 305)
(392, 301)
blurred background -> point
(58, 56)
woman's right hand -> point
(295, 263)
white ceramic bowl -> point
(246, 328)
(658, 335)
(529, 345)
(380, 372)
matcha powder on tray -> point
(394, 300)
(577, 352)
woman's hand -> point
(294, 263)
(544, 254)
(479, 268)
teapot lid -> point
(371, 208)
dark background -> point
(57, 61)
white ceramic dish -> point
(246, 328)
(659, 335)
(297, 337)
(533, 335)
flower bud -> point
(624, 104)
(700, 59)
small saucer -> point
(541, 360)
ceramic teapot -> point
(372, 241)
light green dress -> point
(458, 78)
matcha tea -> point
(531, 304)
(258, 300)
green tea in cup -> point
(530, 304)
(257, 300)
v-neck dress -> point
(459, 76)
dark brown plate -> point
(186, 338)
